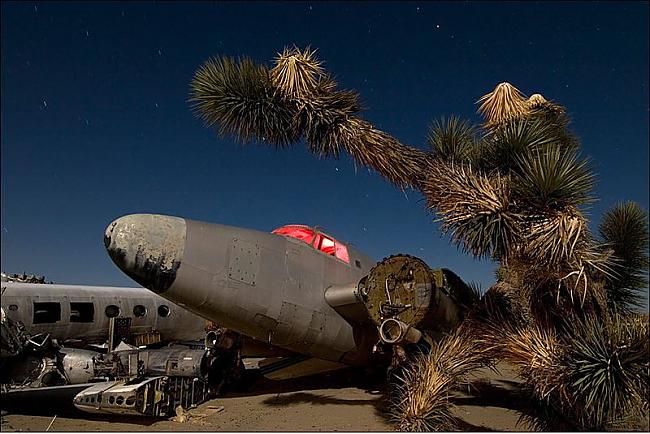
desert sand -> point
(348, 400)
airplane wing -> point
(284, 368)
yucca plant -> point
(624, 229)
(592, 376)
(512, 189)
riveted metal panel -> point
(244, 261)
(316, 327)
(292, 325)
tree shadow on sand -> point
(501, 393)
(379, 405)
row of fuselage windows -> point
(84, 312)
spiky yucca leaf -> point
(547, 111)
(297, 73)
(593, 374)
(553, 178)
(298, 98)
(624, 229)
(536, 100)
(607, 369)
(534, 352)
(400, 164)
(323, 113)
(516, 139)
(474, 208)
(239, 97)
(422, 402)
(505, 102)
(552, 237)
(452, 140)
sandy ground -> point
(341, 401)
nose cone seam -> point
(147, 247)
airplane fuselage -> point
(80, 312)
(263, 285)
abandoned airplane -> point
(296, 288)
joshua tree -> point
(511, 189)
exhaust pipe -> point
(393, 331)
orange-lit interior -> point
(319, 241)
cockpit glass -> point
(317, 240)
(301, 233)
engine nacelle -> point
(404, 297)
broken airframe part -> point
(393, 331)
(157, 396)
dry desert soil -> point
(346, 400)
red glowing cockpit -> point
(316, 239)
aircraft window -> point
(13, 307)
(111, 399)
(301, 233)
(357, 263)
(334, 248)
(139, 310)
(119, 400)
(82, 312)
(163, 311)
(342, 253)
(47, 313)
(326, 246)
(130, 400)
(317, 240)
(112, 311)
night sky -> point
(96, 124)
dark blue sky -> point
(95, 122)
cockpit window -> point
(325, 244)
(302, 233)
(317, 240)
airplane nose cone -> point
(147, 247)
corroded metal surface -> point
(400, 287)
(404, 288)
(157, 396)
(147, 247)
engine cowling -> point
(404, 297)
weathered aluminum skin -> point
(263, 285)
(18, 304)
(78, 365)
(155, 396)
